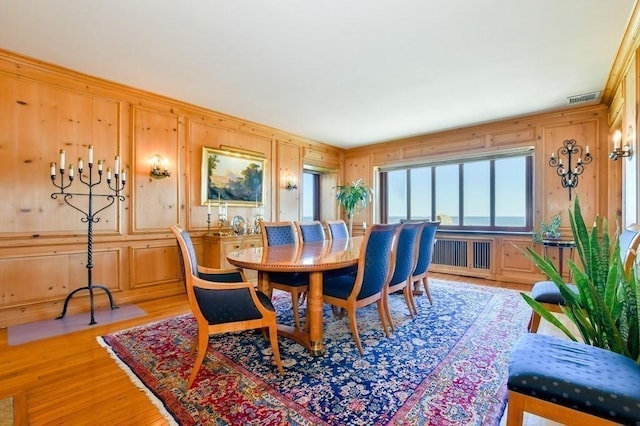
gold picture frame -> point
(235, 178)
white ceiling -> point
(345, 72)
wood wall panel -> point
(206, 134)
(46, 108)
(153, 265)
(359, 167)
(289, 167)
(543, 132)
(155, 133)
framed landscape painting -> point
(231, 177)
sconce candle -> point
(90, 160)
(622, 151)
(80, 164)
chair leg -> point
(203, 343)
(354, 329)
(425, 283)
(385, 304)
(408, 298)
(275, 348)
(296, 313)
(383, 316)
(534, 322)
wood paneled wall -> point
(544, 133)
(43, 243)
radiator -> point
(468, 254)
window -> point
(310, 196)
(491, 194)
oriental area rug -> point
(446, 366)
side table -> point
(560, 245)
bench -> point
(571, 383)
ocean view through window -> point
(485, 194)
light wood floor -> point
(71, 380)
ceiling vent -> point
(584, 98)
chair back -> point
(310, 231)
(629, 241)
(407, 251)
(376, 259)
(425, 247)
(337, 229)
(278, 233)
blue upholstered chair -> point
(548, 294)
(310, 231)
(222, 301)
(350, 292)
(425, 253)
(337, 229)
(406, 258)
(296, 283)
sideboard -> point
(216, 248)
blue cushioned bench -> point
(571, 383)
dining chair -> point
(375, 269)
(425, 253)
(310, 231)
(337, 229)
(406, 259)
(296, 283)
(547, 293)
(222, 301)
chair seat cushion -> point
(547, 292)
(222, 306)
(293, 279)
(576, 375)
(339, 286)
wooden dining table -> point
(312, 257)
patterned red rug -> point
(447, 366)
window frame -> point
(529, 161)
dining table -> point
(313, 258)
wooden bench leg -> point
(515, 409)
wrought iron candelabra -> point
(89, 215)
(569, 172)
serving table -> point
(314, 258)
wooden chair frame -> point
(268, 320)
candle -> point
(124, 176)
(108, 174)
(62, 159)
(99, 165)
(208, 208)
(553, 155)
(587, 149)
(90, 154)
(560, 162)
(116, 166)
(53, 169)
(80, 164)
(71, 171)
(616, 140)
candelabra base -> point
(90, 288)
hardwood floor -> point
(72, 380)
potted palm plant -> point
(605, 310)
(353, 198)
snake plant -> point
(605, 311)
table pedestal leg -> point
(314, 313)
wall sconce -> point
(622, 151)
(569, 173)
(291, 183)
(159, 167)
